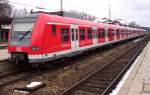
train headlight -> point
(35, 48)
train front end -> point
(23, 40)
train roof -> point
(27, 15)
(60, 19)
(68, 20)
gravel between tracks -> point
(63, 78)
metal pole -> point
(109, 12)
(61, 7)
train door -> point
(95, 41)
(74, 37)
(106, 34)
(109, 34)
(115, 34)
(65, 37)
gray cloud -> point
(129, 10)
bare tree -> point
(133, 24)
(19, 12)
(83, 15)
(5, 8)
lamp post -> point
(109, 11)
(61, 8)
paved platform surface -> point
(4, 67)
(3, 54)
(138, 81)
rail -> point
(106, 79)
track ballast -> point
(105, 79)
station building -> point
(4, 29)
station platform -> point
(138, 80)
(3, 44)
(3, 54)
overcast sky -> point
(128, 10)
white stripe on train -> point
(49, 55)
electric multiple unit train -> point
(38, 38)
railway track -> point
(11, 76)
(104, 80)
(14, 79)
(4, 61)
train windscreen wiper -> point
(25, 34)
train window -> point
(76, 34)
(72, 31)
(94, 34)
(103, 33)
(54, 30)
(64, 34)
(117, 32)
(99, 34)
(82, 34)
(89, 33)
(109, 33)
(121, 32)
(112, 32)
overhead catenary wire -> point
(86, 10)
(83, 9)
(76, 5)
(34, 6)
(134, 14)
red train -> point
(38, 38)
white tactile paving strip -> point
(138, 81)
(4, 54)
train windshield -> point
(22, 30)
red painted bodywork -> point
(87, 41)
(102, 39)
(42, 34)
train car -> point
(39, 38)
